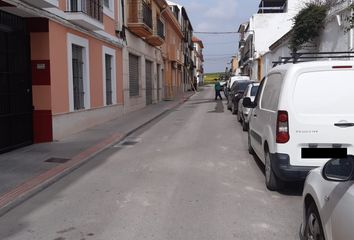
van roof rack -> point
(313, 56)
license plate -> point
(324, 153)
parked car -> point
(236, 92)
(328, 200)
(302, 113)
(243, 113)
(231, 81)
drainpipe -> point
(351, 40)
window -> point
(78, 73)
(78, 81)
(254, 91)
(109, 76)
(271, 92)
(133, 75)
(106, 3)
(108, 60)
(108, 8)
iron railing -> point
(160, 29)
(92, 8)
(147, 14)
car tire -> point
(244, 126)
(313, 227)
(239, 117)
(273, 183)
(233, 109)
(228, 105)
(250, 149)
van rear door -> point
(322, 119)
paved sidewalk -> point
(26, 171)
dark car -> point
(235, 94)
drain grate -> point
(57, 160)
(129, 143)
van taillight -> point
(282, 127)
(341, 67)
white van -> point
(302, 116)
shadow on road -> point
(290, 188)
(219, 107)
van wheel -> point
(250, 149)
(313, 228)
(273, 183)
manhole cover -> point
(57, 160)
(129, 143)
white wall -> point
(272, 26)
(273, 56)
(70, 123)
(334, 38)
(268, 29)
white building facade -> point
(264, 28)
(335, 37)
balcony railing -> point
(147, 14)
(160, 29)
(92, 8)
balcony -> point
(86, 13)
(43, 3)
(140, 18)
(158, 38)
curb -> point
(28, 189)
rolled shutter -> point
(133, 75)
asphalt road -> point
(187, 176)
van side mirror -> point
(247, 103)
(339, 169)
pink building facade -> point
(61, 68)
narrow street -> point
(186, 176)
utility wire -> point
(217, 43)
(216, 32)
(216, 59)
(219, 55)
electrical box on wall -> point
(40, 72)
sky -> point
(218, 15)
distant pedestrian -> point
(217, 90)
(195, 83)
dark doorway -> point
(16, 128)
(148, 67)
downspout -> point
(351, 32)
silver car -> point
(328, 201)
(244, 113)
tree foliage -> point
(308, 24)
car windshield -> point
(241, 86)
(254, 91)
